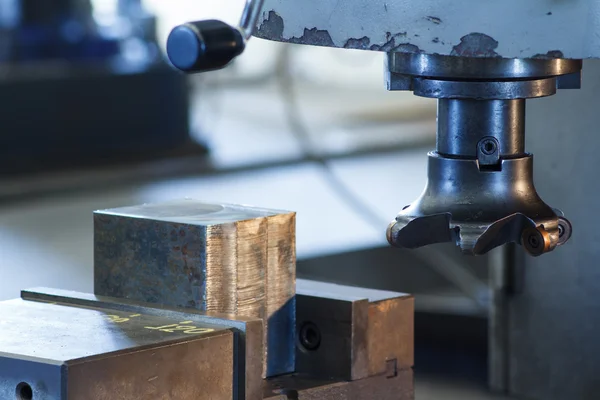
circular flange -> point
(483, 90)
(470, 68)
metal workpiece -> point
(248, 332)
(67, 352)
(228, 259)
(509, 29)
(352, 333)
(480, 192)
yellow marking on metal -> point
(187, 329)
(117, 319)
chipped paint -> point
(314, 36)
(272, 28)
(428, 40)
(347, 24)
(407, 48)
(362, 43)
(390, 44)
(550, 55)
(476, 45)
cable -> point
(442, 264)
(302, 135)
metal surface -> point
(395, 384)
(221, 258)
(59, 351)
(369, 329)
(510, 29)
(438, 66)
(250, 16)
(553, 321)
(461, 123)
(200, 370)
(248, 332)
(480, 192)
(505, 90)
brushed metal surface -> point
(216, 258)
(70, 352)
(248, 342)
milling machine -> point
(480, 192)
(165, 273)
(481, 60)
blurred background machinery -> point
(527, 318)
(82, 85)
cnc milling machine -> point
(482, 61)
(200, 301)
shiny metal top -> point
(56, 333)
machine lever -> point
(209, 45)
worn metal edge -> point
(248, 388)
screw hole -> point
(488, 147)
(310, 336)
(533, 241)
(24, 391)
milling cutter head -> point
(480, 192)
(480, 210)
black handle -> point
(204, 45)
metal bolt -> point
(533, 241)
(310, 336)
(536, 240)
(488, 146)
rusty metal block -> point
(66, 352)
(352, 333)
(217, 258)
